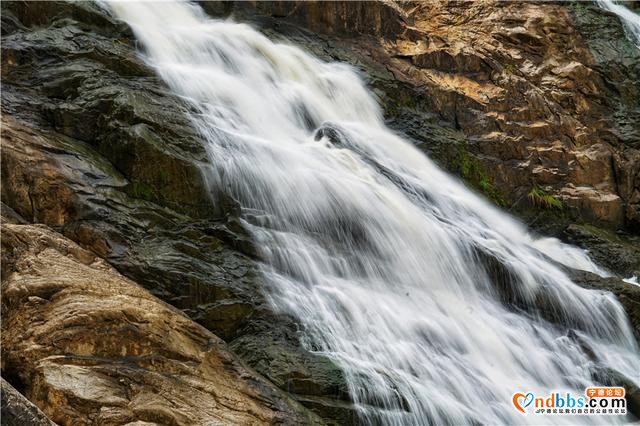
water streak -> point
(630, 20)
(437, 306)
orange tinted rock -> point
(92, 347)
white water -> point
(382, 256)
(630, 20)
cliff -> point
(536, 106)
(134, 267)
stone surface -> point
(627, 294)
(619, 254)
(95, 146)
(92, 347)
(377, 18)
(102, 152)
(544, 94)
(18, 410)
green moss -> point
(143, 191)
(163, 178)
(152, 187)
(509, 68)
(541, 198)
(475, 174)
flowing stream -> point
(437, 305)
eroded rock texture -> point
(91, 347)
(95, 147)
(18, 410)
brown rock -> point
(377, 17)
(92, 347)
(546, 93)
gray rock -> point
(95, 146)
(627, 294)
(18, 410)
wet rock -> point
(315, 381)
(187, 262)
(90, 346)
(109, 158)
(627, 294)
(95, 146)
(609, 377)
(18, 410)
(312, 379)
(29, 14)
(618, 253)
(128, 116)
(378, 18)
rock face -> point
(621, 255)
(546, 95)
(627, 294)
(379, 18)
(18, 410)
(95, 147)
(89, 346)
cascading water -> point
(629, 19)
(437, 306)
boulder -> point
(90, 346)
(618, 253)
(627, 294)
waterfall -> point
(630, 20)
(437, 306)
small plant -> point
(485, 185)
(540, 197)
(509, 68)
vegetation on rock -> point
(542, 198)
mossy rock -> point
(156, 173)
(460, 161)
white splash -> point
(437, 306)
(568, 255)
